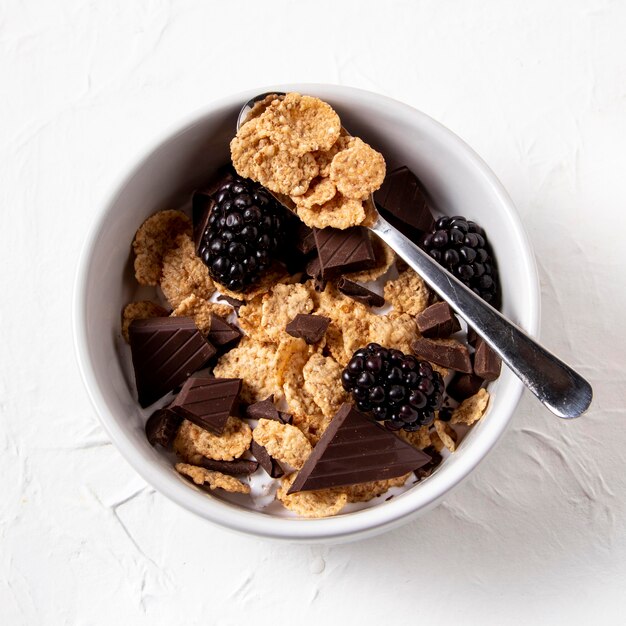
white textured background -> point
(538, 88)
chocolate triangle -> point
(207, 401)
(402, 200)
(222, 333)
(165, 351)
(353, 450)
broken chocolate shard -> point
(359, 293)
(234, 302)
(285, 418)
(437, 321)
(453, 354)
(202, 202)
(435, 460)
(161, 427)
(309, 327)
(222, 333)
(342, 251)
(207, 401)
(270, 465)
(402, 200)
(305, 238)
(464, 386)
(263, 410)
(353, 450)
(166, 351)
(487, 363)
(238, 467)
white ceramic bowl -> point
(458, 181)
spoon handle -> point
(555, 384)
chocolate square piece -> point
(453, 355)
(353, 450)
(487, 363)
(222, 333)
(311, 328)
(437, 321)
(342, 251)
(402, 201)
(263, 409)
(207, 401)
(161, 427)
(165, 351)
(359, 293)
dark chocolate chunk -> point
(162, 427)
(285, 418)
(305, 239)
(342, 251)
(236, 304)
(237, 467)
(427, 470)
(207, 401)
(202, 202)
(464, 386)
(402, 200)
(270, 465)
(353, 450)
(222, 333)
(453, 355)
(472, 337)
(165, 351)
(263, 409)
(311, 328)
(437, 321)
(487, 363)
(359, 293)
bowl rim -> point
(354, 525)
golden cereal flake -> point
(325, 157)
(407, 293)
(144, 309)
(249, 319)
(184, 274)
(364, 492)
(471, 409)
(335, 344)
(281, 171)
(291, 356)
(153, 239)
(254, 362)
(385, 258)
(283, 442)
(201, 310)
(394, 331)
(358, 171)
(419, 439)
(314, 504)
(305, 123)
(339, 212)
(312, 425)
(322, 380)
(320, 191)
(214, 480)
(192, 442)
(251, 138)
(446, 434)
(281, 305)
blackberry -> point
(395, 388)
(243, 233)
(460, 245)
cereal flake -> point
(407, 293)
(471, 409)
(201, 310)
(283, 442)
(214, 480)
(322, 380)
(192, 442)
(314, 504)
(358, 171)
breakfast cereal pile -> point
(292, 344)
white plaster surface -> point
(538, 534)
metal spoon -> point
(556, 385)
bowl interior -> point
(458, 183)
